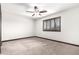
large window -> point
(52, 24)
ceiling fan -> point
(36, 11)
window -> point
(52, 24)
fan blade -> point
(43, 11)
(33, 14)
(30, 11)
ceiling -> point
(50, 7)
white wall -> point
(14, 24)
(69, 27)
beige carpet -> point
(37, 46)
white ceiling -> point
(50, 7)
(21, 8)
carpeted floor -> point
(37, 46)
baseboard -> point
(57, 41)
(42, 38)
(18, 38)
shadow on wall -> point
(20, 15)
(0, 28)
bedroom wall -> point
(69, 27)
(14, 24)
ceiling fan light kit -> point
(36, 11)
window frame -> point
(55, 19)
